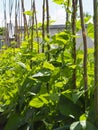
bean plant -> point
(36, 86)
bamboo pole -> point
(16, 23)
(32, 29)
(25, 20)
(47, 33)
(32, 32)
(85, 49)
(5, 22)
(5, 17)
(67, 14)
(21, 21)
(96, 60)
(43, 24)
(11, 2)
(74, 8)
(47, 25)
(36, 25)
(47, 13)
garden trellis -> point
(46, 82)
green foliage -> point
(2, 30)
(82, 125)
(28, 12)
(59, 1)
(36, 93)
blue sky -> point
(56, 12)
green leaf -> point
(21, 64)
(90, 50)
(43, 75)
(61, 41)
(29, 12)
(43, 97)
(60, 38)
(76, 126)
(72, 66)
(59, 84)
(39, 101)
(83, 117)
(14, 122)
(56, 63)
(87, 19)
(48, 66)
(36, 102)
(90, 30)
(68, 108)
(59, 1)
(82, 125)
(76, 95)
(80, 56)
(54, 97)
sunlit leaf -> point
(90, 50)
(72, 66)
(21, 64)
(36, 102)
(59, 84)
(43, 75)
(80, 56)
(76, 126)
(48, 66)
(59, 1)
(29, 12)
(83, 117)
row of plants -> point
(36, 80)
(36, 93)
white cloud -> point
(59, 16)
